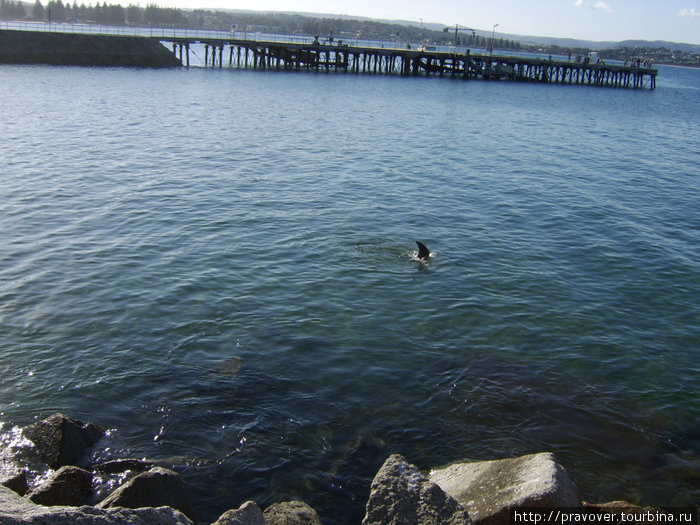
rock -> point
(15, 510)
(489, 489)
(18, 483)
(291, 513)
(352, 474)
(639, 515)
(362, 458)
(401, 495)
(60, 440)
(618, 504)
(247, 514)
(119, 466)
(229, 367)
(67, 486)
(156, 488)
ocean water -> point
(217, 266)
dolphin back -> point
(423, 252)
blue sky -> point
(600, 20)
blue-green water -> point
(158, 226)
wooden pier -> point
(264, 55)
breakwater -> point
(68, 49)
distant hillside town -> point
(340, 28)
(657, 55)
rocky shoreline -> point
(479, 493)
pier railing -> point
(168, 33)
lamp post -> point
(493, 33)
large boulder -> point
(15, 510)
(60, 440)
(401, 495)
(291, 513)
(155, 488)
(490, 489)
(247, 514)
(67, 486)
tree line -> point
(100, 13)
(12, 10)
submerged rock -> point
(67, 486)
(353, 472)
(490, 489)
(401, 495)
(60, 440)
(15, 510)
(247, 514)
(227, 368)
(638, 515)
(119, 466)
(156, 488)
(291, 513)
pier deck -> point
(265, 55)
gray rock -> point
(247, 514)
(15, 510)
(489, 489)
(67, 486)
(18, 483)
(291, 513)
(156, 488)
(401, 495)
(60, 440)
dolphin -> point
(423, 252)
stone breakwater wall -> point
(472, 493)
(64, 49)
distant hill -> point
(690, 48)
(525, 39)
(388, 28)
(562, 42)
(591, 44)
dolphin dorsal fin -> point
(423, 252)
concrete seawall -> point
(36, 47)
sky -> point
(598, 20)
